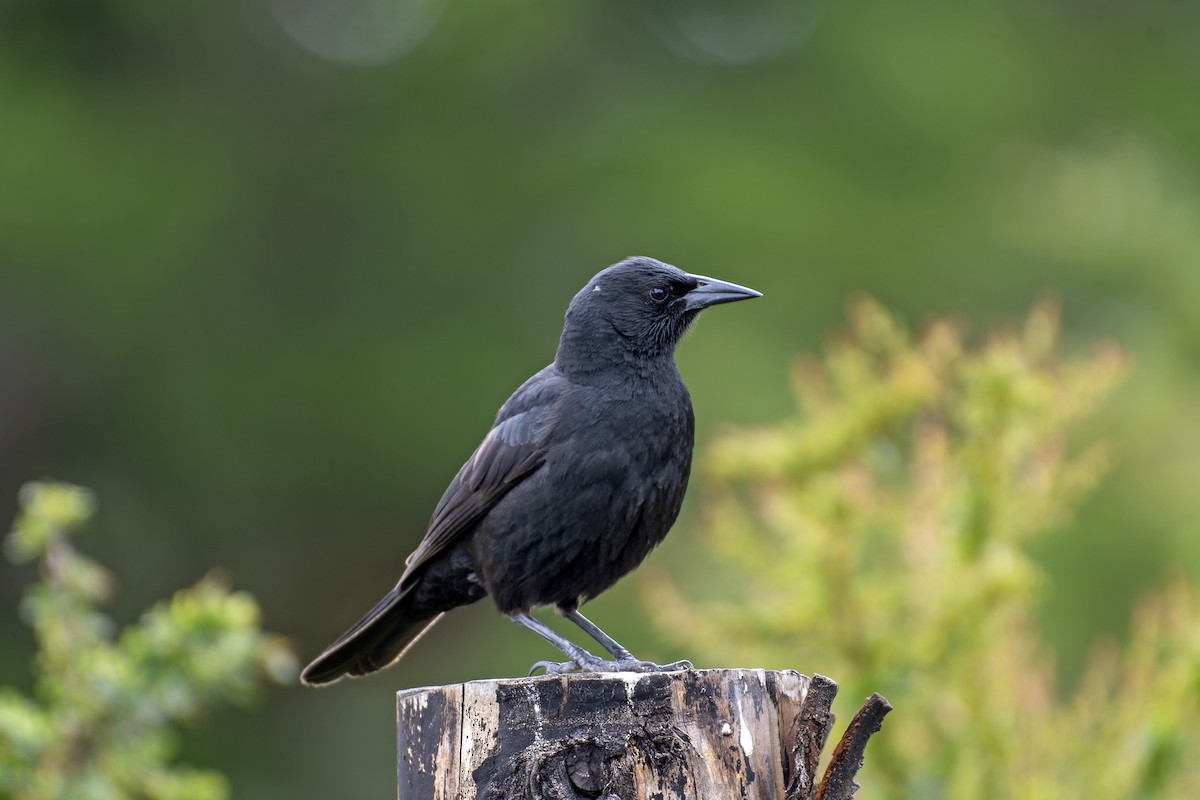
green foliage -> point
(884, 537)
(100, 723)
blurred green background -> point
(268, 268)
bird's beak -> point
(711, 292)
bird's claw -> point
(634, 665)
(630, 664)
(555, 667)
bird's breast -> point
(610, 488)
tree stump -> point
(701, 735)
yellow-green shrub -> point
(880, 536)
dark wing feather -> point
(512, 450)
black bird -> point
(580, 477)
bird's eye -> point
(658, 294)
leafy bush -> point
(100, 723)
(882, 534)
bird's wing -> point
(512, 450)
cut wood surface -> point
(700, 734)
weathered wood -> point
(699, 734)
(847, 758)
(813, 723)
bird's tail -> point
(374, 642)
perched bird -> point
(580, 477)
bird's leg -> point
(625, 662)
(593, 630)
(580, 659)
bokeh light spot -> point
(362, 32)
(722, 32)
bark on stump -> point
(701, 735)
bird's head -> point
(637, 308)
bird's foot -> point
(593, 664)
(555, 667)
(632, 664)
(584, 662)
